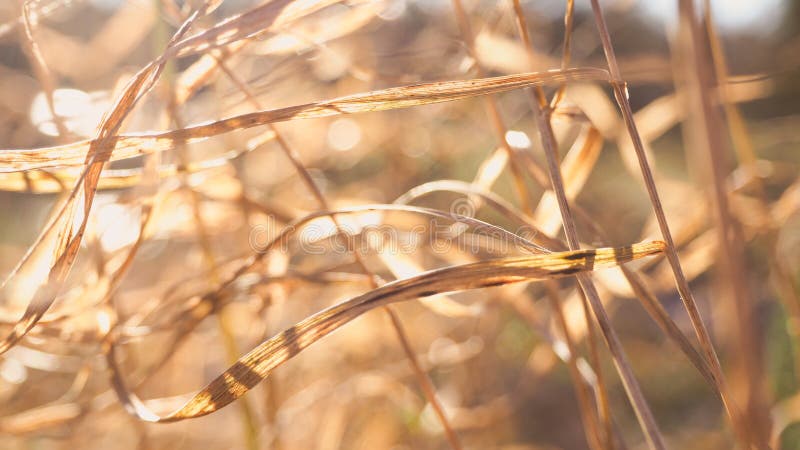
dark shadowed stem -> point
(601, 391)
(629, 382)
(539, 101)
(621, 96)
(707, 134)
(590, 424)
(745, 152)
(640, 406)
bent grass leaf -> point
(256, 365)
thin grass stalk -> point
(600, 387)
(621, 95)
(550, 145)
(249, 421)
(496, 119)
(742, 143)
(588, 416)
(428, 389)
(566, 51)
(639, 403)
(539, 99)
(499, 128)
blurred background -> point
(495, 356)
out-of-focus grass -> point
(176, 230)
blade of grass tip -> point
(649, 301)
(707, 133)
(633, 390)
(653, 307)
(253, 367)
(621, 96)
(425, 382)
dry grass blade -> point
(640, 289)
(382, 100)
(175, 225)
(253, 367)
(68, 224)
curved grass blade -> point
(256, 365)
